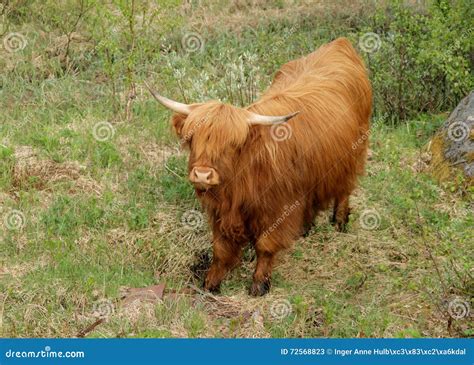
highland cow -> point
(263, 172)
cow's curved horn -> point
(170, 104)
(256, 119)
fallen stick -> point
(90, 328)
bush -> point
(420, 58)
(422, 64)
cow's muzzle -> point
(204, 177)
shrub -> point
(422, 64)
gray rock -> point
(457, 136)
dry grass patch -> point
(237, 15)
(31, 170)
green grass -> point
(76, 248)
(119, 221)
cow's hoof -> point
(341, 227)
(259, 289)
(214, 289)
(201, 265)
(306, 231)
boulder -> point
(452, 147)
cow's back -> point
(331, 65)
(331, 90)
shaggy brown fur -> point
(270, 190)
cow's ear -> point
(178, 121)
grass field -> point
(93, 203)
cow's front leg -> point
(226, 255)
(263, 272)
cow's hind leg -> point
(263, 272)
(341, 212)
(308, 222)
(226, 255)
